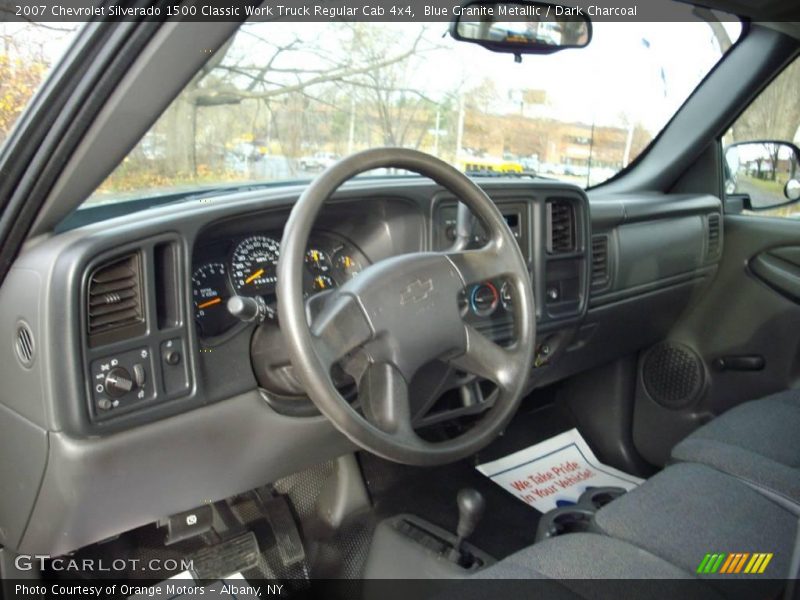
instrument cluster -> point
(248, 267)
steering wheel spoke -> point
(383, 395)
(487, 359)
(479, 265)
(339, 329)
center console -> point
(552, 228)
(406, 547)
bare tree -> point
(269, 72)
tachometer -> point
(210, 294)
(254, 266)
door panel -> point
(745, 327)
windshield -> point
(283, 101)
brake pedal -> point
(287, 536)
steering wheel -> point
(400, 314)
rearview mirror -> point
(522, 27)
(765, 171)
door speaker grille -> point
(673, 375)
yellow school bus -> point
(487, 165)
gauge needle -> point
(254, 276)
(211, 302)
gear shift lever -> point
(470, 510)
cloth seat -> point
(652, 541)
(588, 565)
(758, 441)
(689, 510)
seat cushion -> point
(758, 441)
(583, 563)
(690, 510)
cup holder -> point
(567, 519)
(600, 496)
(578, 517)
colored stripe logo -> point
(734, 562)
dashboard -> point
(143, 396)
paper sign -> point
(555, 472)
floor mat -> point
(554, 472)
(430, 493)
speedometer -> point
(254, 266)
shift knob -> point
(470, 510)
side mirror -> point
(521, 27)
(792, 190)
(765, 172)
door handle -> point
(779, 274)
(754, 362)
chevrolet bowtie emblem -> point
(417, 291)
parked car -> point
(318, 161)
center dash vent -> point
(600, 277)
(714, 238)
(560, 227)
(115, 308)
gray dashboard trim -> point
(653, 286)
(25, 470)
(98, 487)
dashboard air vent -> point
(599, 262)
(24, 344)
(560, 227)
(714, 238)
(115, 308)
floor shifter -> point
(470, 510)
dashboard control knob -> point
(118, 382)
(172, 357)
(484, 299)
(139, 375)
(104, 404)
